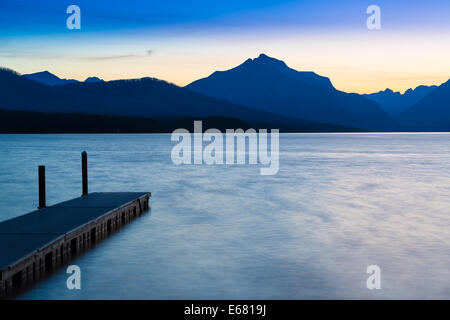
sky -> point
(181, 41)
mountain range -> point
(431, 113)
(262, 92)
(146, 97)
(393, 103)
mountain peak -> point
(93, 80)
(266, 60)
(48, 78)
(43, 74)
(263, 56)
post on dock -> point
(84, 172)
(42, 201)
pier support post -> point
(37, 269)
(30, 275)
(2, 285)
(84, 172)
(42, 266)
(8, 285)
(2, 288)
(42, 202)
(63, 253)
(24, 277)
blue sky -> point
(44, 16)
(180, 41)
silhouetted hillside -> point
(431, 113)
(145, 97)
(269, 84)
(38, 122)
(48, 78)
(394, 103)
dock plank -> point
(101, 200)
(15, 246)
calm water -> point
(340, 203)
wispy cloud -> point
(26, 54)
(123, 56)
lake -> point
(339, 203)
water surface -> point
(340, 203)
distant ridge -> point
(48, 78)
(394, 103)
(38, 122)
(269, 84)
(431, 113)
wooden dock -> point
(40, 241)
(36, 243)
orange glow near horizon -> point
(363, 63)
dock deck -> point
(37, 242)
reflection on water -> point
(340, 203)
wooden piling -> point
(84, 170)
(42, 196)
